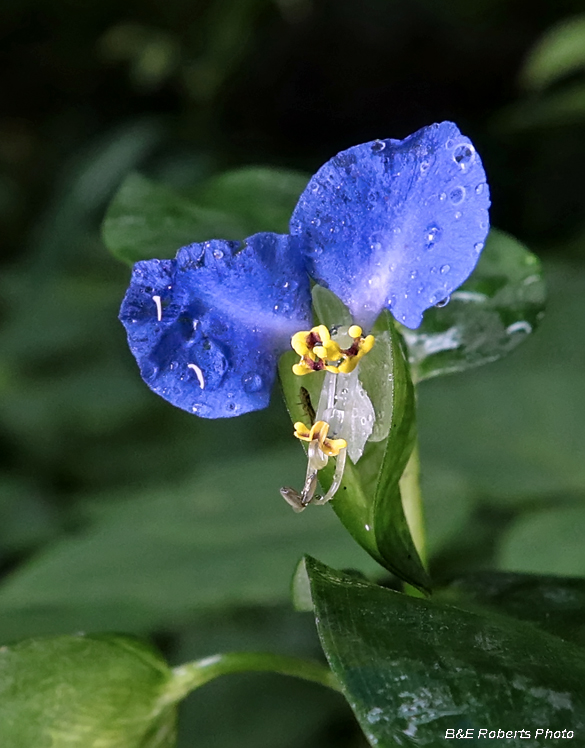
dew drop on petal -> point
(449, 144)
(378, 145)
(433, 235)
(463, 154)
(480, 188)
(424, 166)
(445, 269)
(413, 274)
(457, 215)
(457, 195)
(218, 254)
(252, 382)
(443, 302)
(479, 246)
(443, 196)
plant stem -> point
(412, 502)
(191, 675)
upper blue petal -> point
(207, 328)
(396, 223)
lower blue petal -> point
(397, 224)
(207, 328)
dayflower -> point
(387, 224)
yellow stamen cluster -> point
(319, 352)
(319, 431)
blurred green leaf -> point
(552, 109)
(261, 198)
(486, 318)
(160, 556)
(368, 501)
(510, 430)
(553, 603)
(559, 52)
(84, 691)
(148, 220)
(286, 712)
(412, 669)
(549, 541)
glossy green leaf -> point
(368, 501)
(553, 603)
(261, 198)
(412, 669)
(486, 318)
(546, 542)
(559, 52)
(148, 220)
(85, 692)
(159, 556)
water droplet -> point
(376, 246)
(479, 246)
(374, 715)
(295, 226)
(445, 269)
(424, 166)
(378, 145)
(443, 302)
(523, 327)
(463, 154)
(315, 187)
(363, 421)
(413, 274)
(449, 144)
(397, 230)
(443, 196)
(344, 391)
(275, 307)
(173, 365)
(252, 382)
(480, 187)
(433, 299)
(457, 195)
(458, 215)
(316, 222)
(218, 254)
(433, 235)
(231, 407)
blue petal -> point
(397, 224)
(207, 328)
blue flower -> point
(208, 327)
(387, 224)
(395, 223)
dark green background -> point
(119, 512)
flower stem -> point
(412, 502)
(191, 675)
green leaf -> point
(147, 220)
(486, 318)
(559, 52)
(84, 691)
(261, 198)
(412, 669)
(510, 431)
(546, 542)
(555, 604)
(155, 558)
(368, 501)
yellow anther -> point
(319, 352)
(319, 431)
(299, 343)
(301, 368)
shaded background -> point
(118, 512)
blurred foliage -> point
(107, 495)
